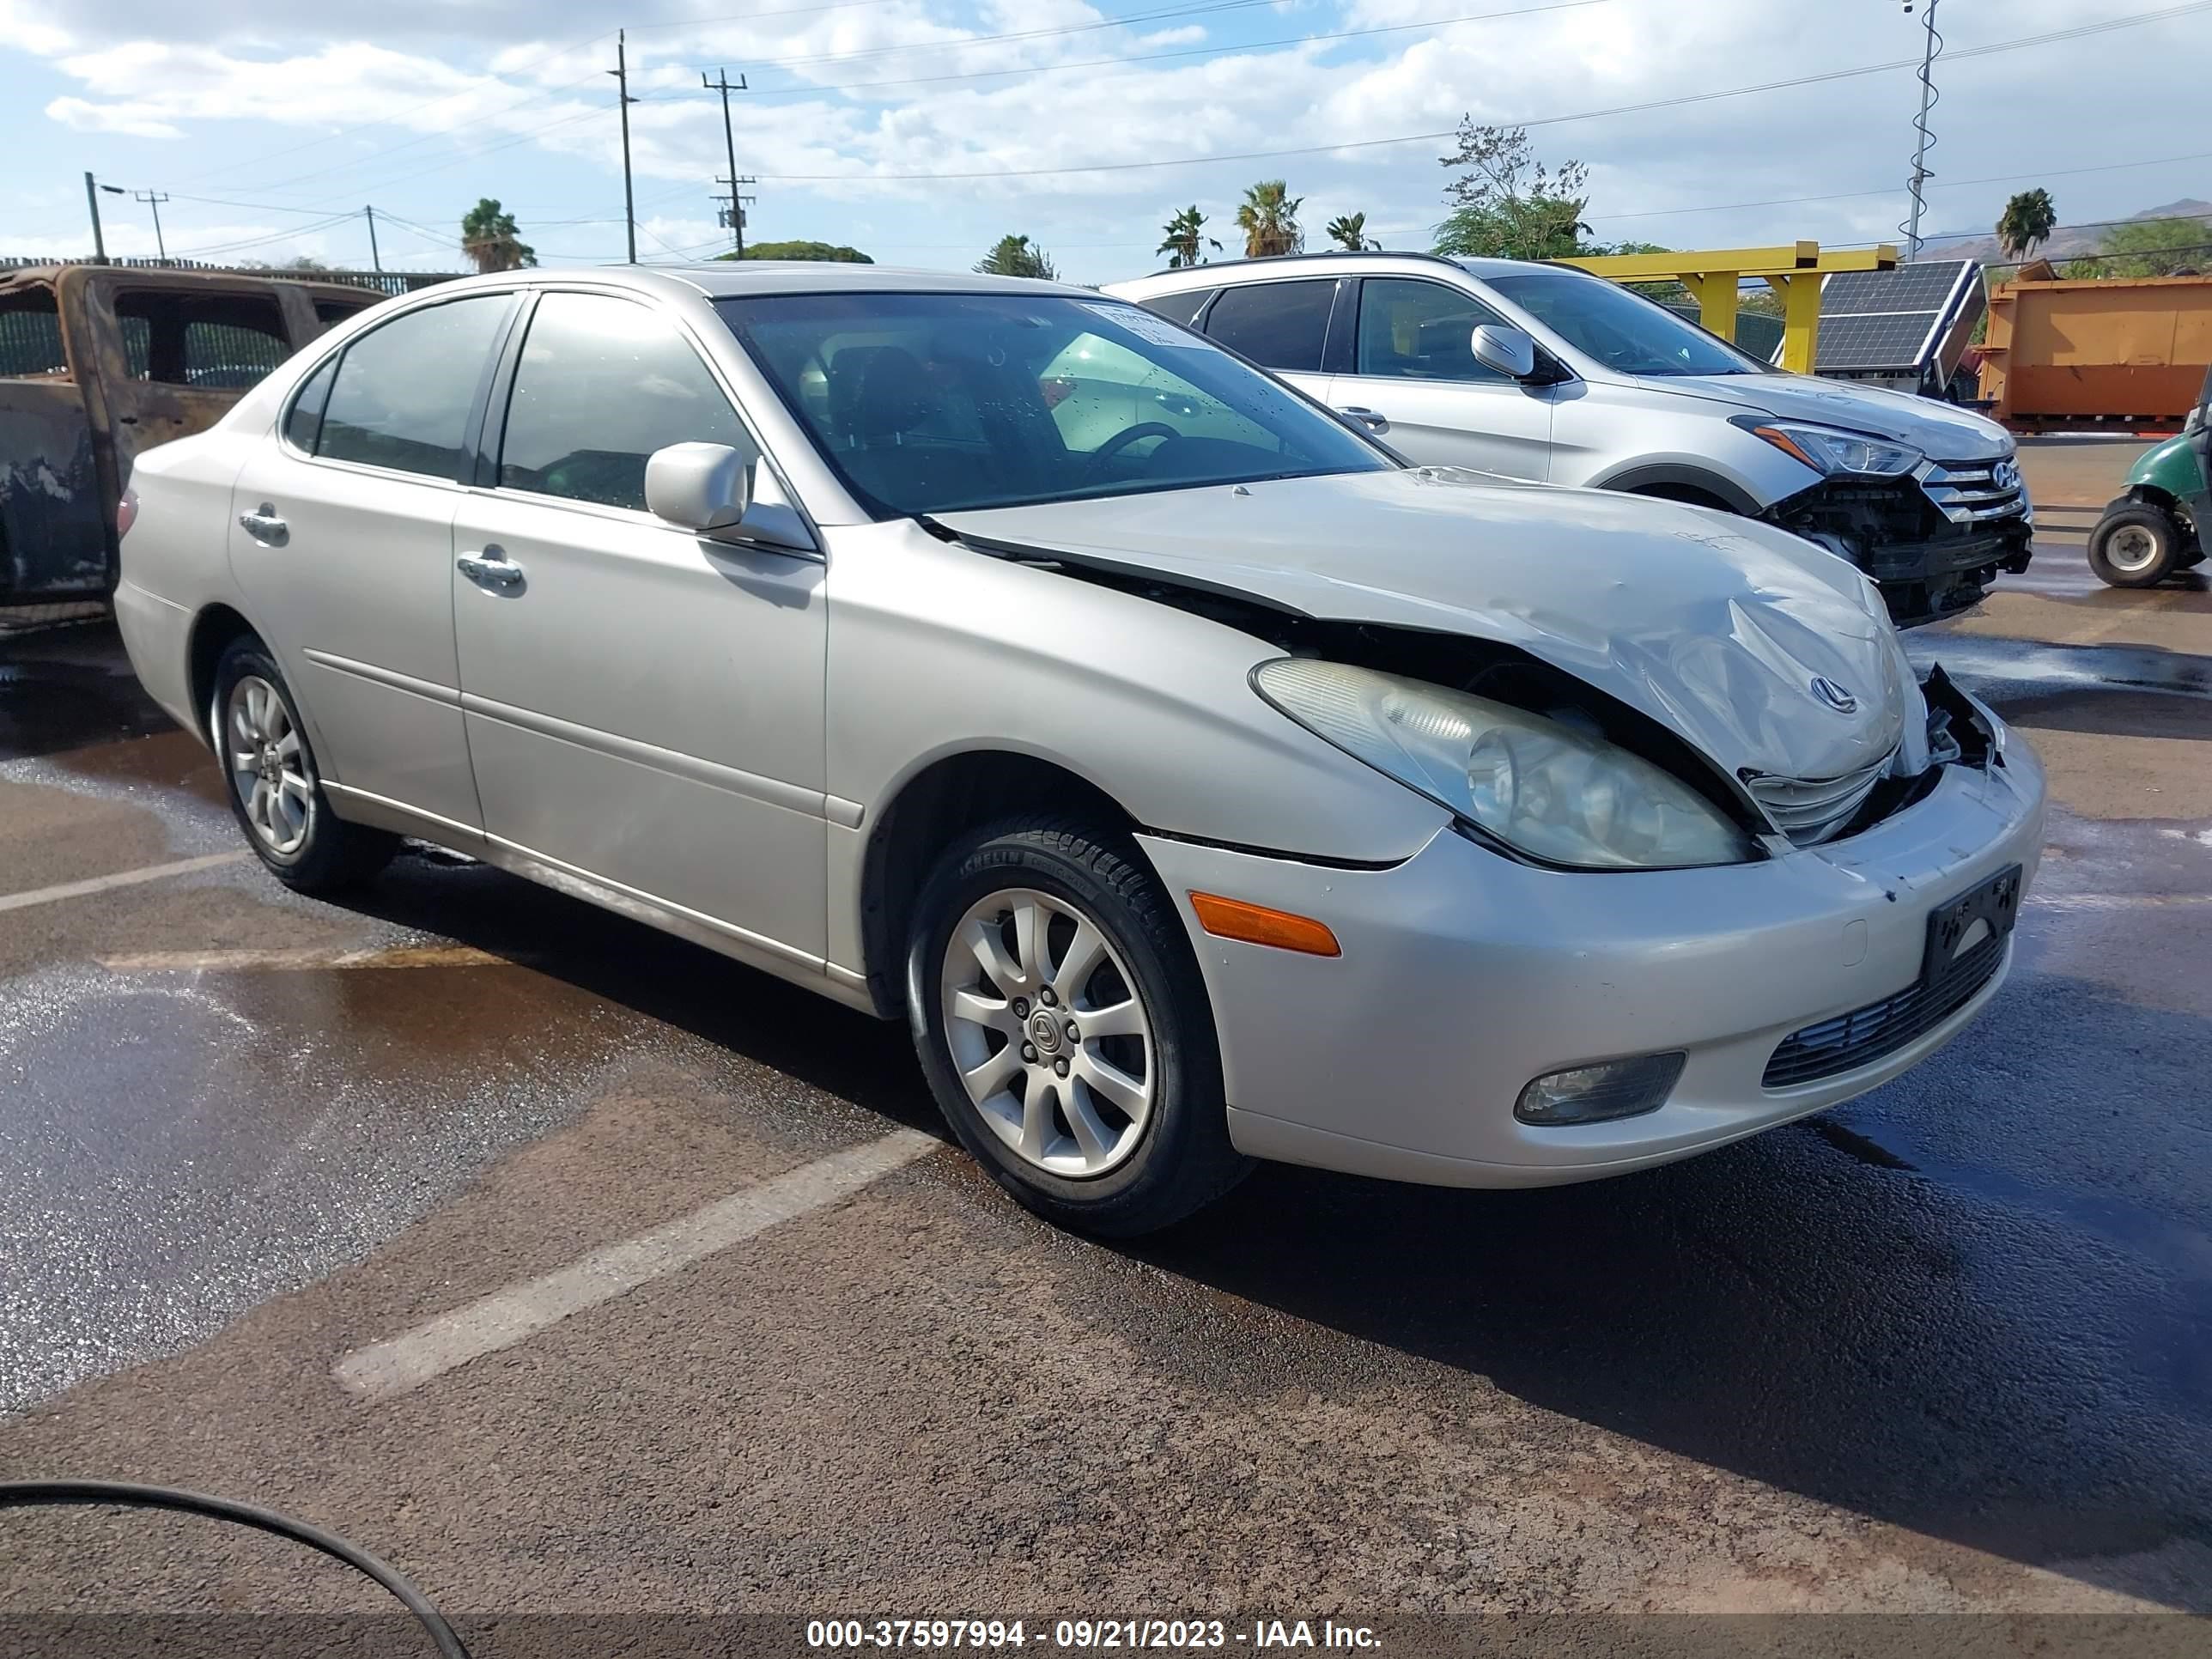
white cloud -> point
(134, 119)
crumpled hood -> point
(1939, 431)
(1715, 626)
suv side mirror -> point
(699, 487)
(1507, 350)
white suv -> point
(1544, 372)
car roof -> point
(1341, 262)
(733, 279)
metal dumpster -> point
(2081, 353)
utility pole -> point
(91, 200)
(1921, 175)
(721, 83)
(734, 214)
(375, 259)
(154, 198)
(621, 72)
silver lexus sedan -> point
(1199, 782)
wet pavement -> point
(1946, 1347)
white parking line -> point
(2115, 901)
(69, 890)
(499, 1321)
(301, 958)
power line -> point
(1535, 121)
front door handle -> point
(490, 569)
(1374, 422)
(264, 525)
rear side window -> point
(601, 383)
(1179, 307)
(305, 421)
(31, 333)
(1276, 325)
(404, 391)
(216, 341)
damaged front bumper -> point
(1930, 562)
(1464, 975)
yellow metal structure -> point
(1793, 271)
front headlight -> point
(1541, 787)
(1829, 450)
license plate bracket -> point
(1995, 901)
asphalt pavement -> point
(575, 1268)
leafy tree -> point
(1269, 220)
(1349, 231)
(2153, 247)
(1012, 256)
(1506, 204)
(1184, 233)
(2026, 223)
(490, 238)
(802, 250)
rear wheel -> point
(1062, 1022)
(2137, 546)
(275, 791)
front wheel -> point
(275, 791)
(2134, 546)
(1061, 1019)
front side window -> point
(601, 383)
(1276, 325)
(404, 391)
(1626, 332)
(214, 341)
(1415, 330)
(1179, 307)
(932, 403)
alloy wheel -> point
(1047, 1030)
(267, 767)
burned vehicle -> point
(1198, 780)
(97, 362)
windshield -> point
(1625, 331)
(931, 403)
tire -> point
(2134, 546)
(1065, 1133)
(274, 786)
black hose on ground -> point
(29, 1494)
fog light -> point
(1599, 1093)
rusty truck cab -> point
(97, 362)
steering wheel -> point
(1121, 439)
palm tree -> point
(1269, 220)
(1012, 256)
(1349, 230)
(1183, 236)
(490, 238)
(2026, 223)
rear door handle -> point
(490, 569)
(1374, 422)
(264, 525)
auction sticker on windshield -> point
(1146, 326)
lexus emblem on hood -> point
(1834, 696)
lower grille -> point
(1850, 1041)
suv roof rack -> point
(1295, 258)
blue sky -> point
(267, 121)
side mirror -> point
(1507, 350)
(699, 487)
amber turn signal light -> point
(1255, 924)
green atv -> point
(2160, 525)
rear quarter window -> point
(31, 334)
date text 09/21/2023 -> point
(1086, 1634)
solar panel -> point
(1889, 320)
